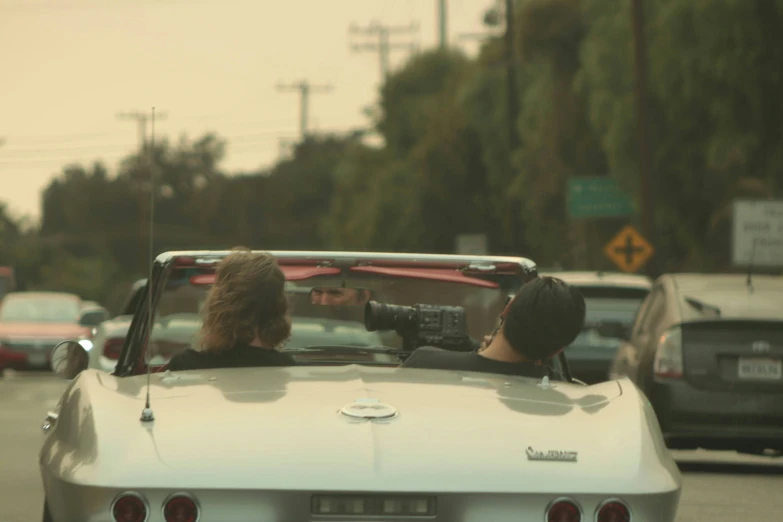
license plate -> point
(37, 359)
(760, 369)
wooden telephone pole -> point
(646, 188)
(305, 88)
(384, 45)
(443, 24)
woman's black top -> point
(242, 356)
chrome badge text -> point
(553, 455)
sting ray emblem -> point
(551, 455)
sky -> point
(69, 67)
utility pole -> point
(442, 24)
(384, 46)
(511, 80)
(646, 188)
(512, 111)
(141, 119)
(305, 88)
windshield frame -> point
(132, 358)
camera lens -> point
(379, 316)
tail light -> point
(112, 348)
(668, 356)
(613, 511)
(129, 507)
(563, 510)
(180, 508)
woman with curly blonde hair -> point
(245, 316)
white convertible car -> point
(346, 435)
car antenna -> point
(146, 414)
(750, 267)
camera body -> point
(421, 325)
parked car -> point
(707, 349)
(32, 323)
(110, 335)
(612, 299)
(346, 433)
(7, 281)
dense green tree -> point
(714, 85)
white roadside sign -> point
(758, 233)
(471, 244)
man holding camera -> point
(543, 318)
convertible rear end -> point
(312, 443)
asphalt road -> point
(719, 486)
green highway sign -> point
(598, 198)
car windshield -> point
(604, 310)
(178, 314)
(39, 310)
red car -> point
(32, 323)
(7, 281)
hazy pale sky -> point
(68, 67)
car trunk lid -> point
(734, 355)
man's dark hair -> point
(545, 316)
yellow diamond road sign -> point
(629, 250)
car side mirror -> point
(69, 359)
(92, 317)
(613, 330)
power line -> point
(242, 138)
(263, 141)
(384, 46)
(37, 164)
(213, 119)
(305, 88)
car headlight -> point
(86, 344)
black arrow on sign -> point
(629, 249)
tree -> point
(428, 183)
(714, 98)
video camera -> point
(421, 325)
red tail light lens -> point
(613, 511)
(563, 510)
(180, 508)
(112, 348)
(129, 508)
